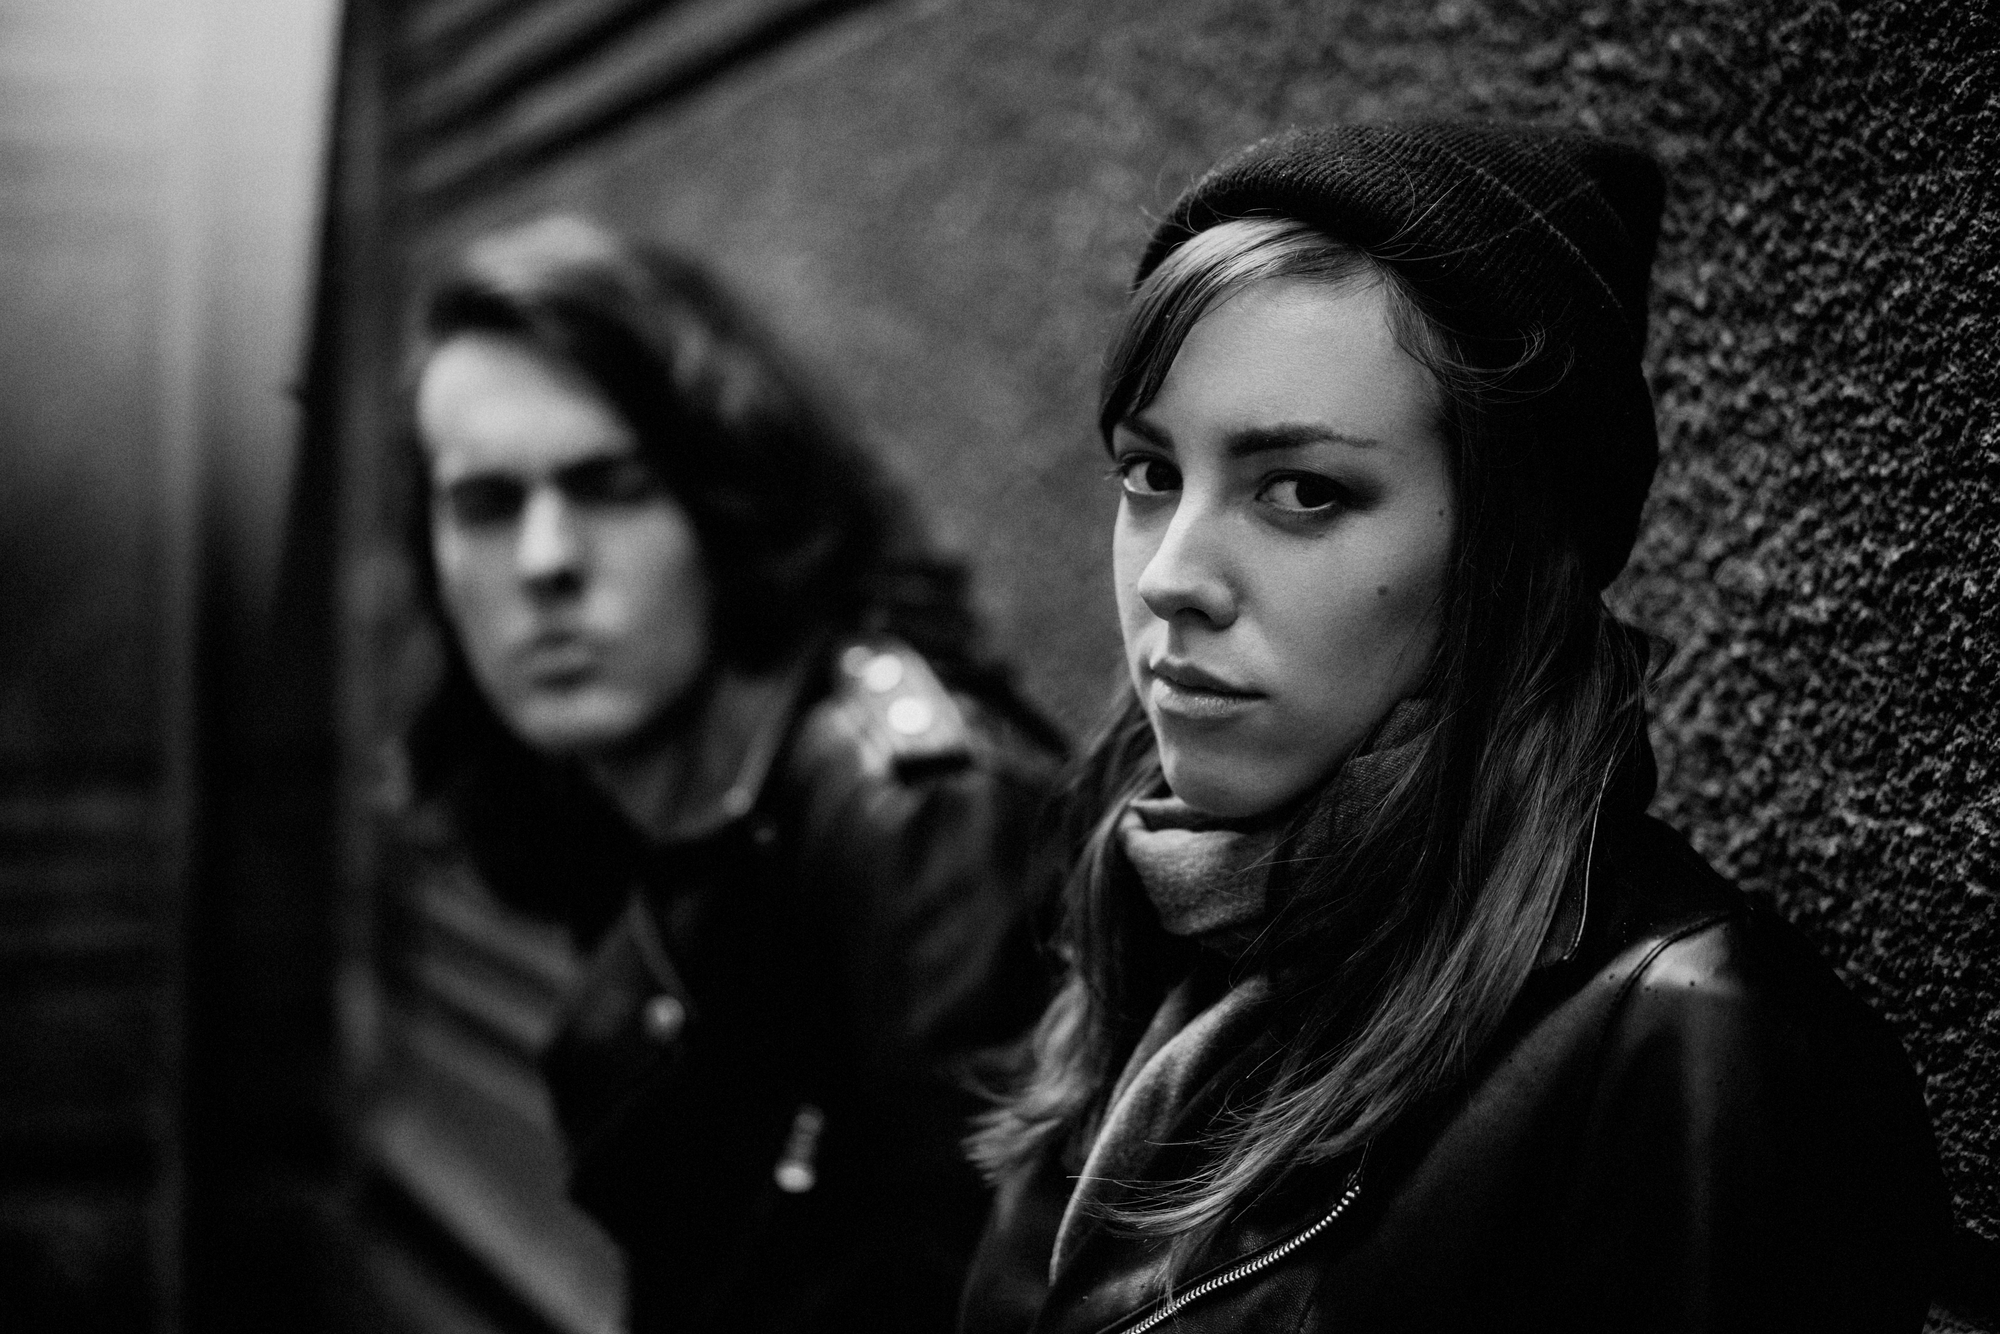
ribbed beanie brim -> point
(1536, 247)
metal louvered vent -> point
(490, 91)
(461, 1136)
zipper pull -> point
(795, 1173)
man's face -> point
(574, 580)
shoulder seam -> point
(1716, 917)
(895, 711)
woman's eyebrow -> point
(1265, 439)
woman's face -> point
(573, 579)
(1282, 541)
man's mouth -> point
(558, 659)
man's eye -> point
(480, 501)
(617, 481)
(1303, 493)
(1144, 475)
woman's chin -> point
(1228, 791)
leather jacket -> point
(1685, 1124)
(762, 1073)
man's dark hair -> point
(801, 535)
(795, 523)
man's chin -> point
(579, 729)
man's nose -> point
(549, 552)
(1187, 575)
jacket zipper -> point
(1254, 1264)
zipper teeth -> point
(1253, 1264)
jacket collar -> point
(723, 758)
(1626, 793)
(1566, 929)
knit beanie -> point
(1534, 248)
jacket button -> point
(795, 1172)
(663, 1018)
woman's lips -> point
(1183, 690)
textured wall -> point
(942, 203)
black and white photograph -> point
(999, 667)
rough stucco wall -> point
(941, 203)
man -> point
(708, 702)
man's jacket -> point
(768, 1067)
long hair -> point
(801, 534)
(1394, 952)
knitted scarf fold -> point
(1210, 879)
(1203, 874)
(1176, 1055)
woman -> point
(708, 702)
(1387, 1006)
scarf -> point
(1210, 879)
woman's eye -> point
(1147, 476)
(1303, 493)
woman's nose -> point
(1186, 575)
(548, 552)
